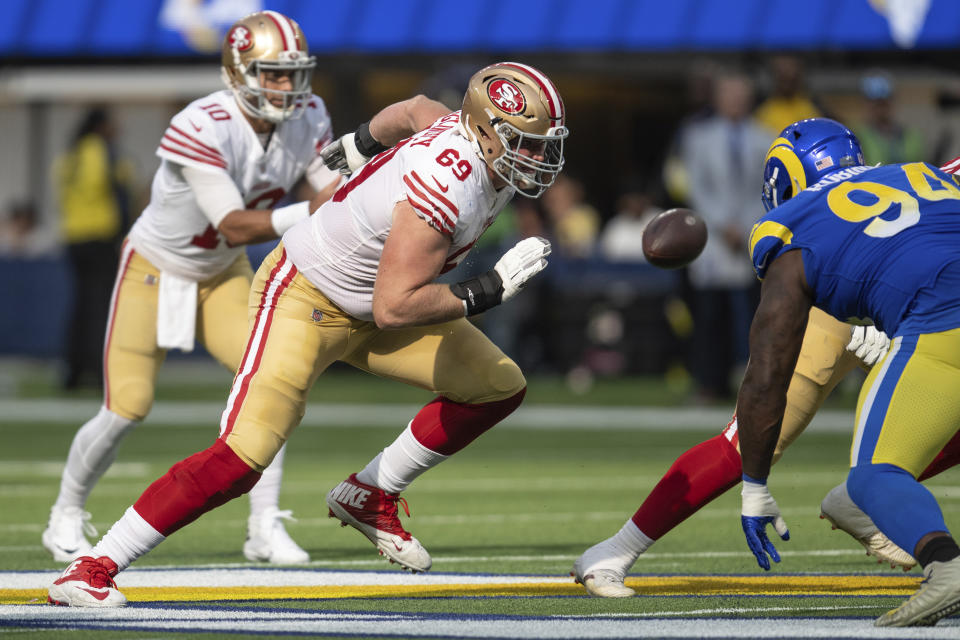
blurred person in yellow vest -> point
(94, 186)
(885, 138)
(788, 100)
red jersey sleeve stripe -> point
(192, 139)
(419, 195)
(173, 141)
(222, 165)
(436, 194)
(430, 217)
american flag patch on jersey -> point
(824, 163)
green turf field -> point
(519, 501)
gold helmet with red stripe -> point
(265, 42)
(509, 108)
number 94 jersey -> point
(874, 241)
(212, 134)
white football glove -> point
(758, 510)
(342, 155)
(869, 344)
(526, 259)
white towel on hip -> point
(176, 312)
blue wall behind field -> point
(120, 28)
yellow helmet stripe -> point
(794, 168)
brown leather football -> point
(674, 238)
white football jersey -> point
(212, 134)
(437, 170)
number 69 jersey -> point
(874, 242)
(212, 134)
(437, 171)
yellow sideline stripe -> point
(644, 585)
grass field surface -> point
(504, 521)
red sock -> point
(698, 476)
(202, 482)
(445, 426)
(948, 457)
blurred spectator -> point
(788, 100)
(882, 138)
(574, 224)
(20, 233)
(724, 155)
(94, 188)
(622, 237)
(699, 107)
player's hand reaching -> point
(869, 344)
(525, 260)
(348, 153)
(342, 155)
(760, 509)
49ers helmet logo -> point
(506, 96)
(241, 38)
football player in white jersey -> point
(357, 282)
(226, 160)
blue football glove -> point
(760, 509)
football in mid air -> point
(674, 238)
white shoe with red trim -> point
(87, 582)
(373, 512)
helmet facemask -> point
(530, 176)
(254, 98)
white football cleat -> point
(937, 597)
(844, 514)
(87, 582)
(373, 512)
(64, 535)
(601, 569)
(268, 540)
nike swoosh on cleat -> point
(397, 547)
(99, 595)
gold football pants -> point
(131, 357)
(296, 333)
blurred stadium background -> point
(633, 73)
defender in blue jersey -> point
(874, 245)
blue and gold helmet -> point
(803, 154)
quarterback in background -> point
(226, 160)
(356, 282)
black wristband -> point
(366, 143)
(480, 293)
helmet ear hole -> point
(787, 193)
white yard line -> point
(446, 625)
